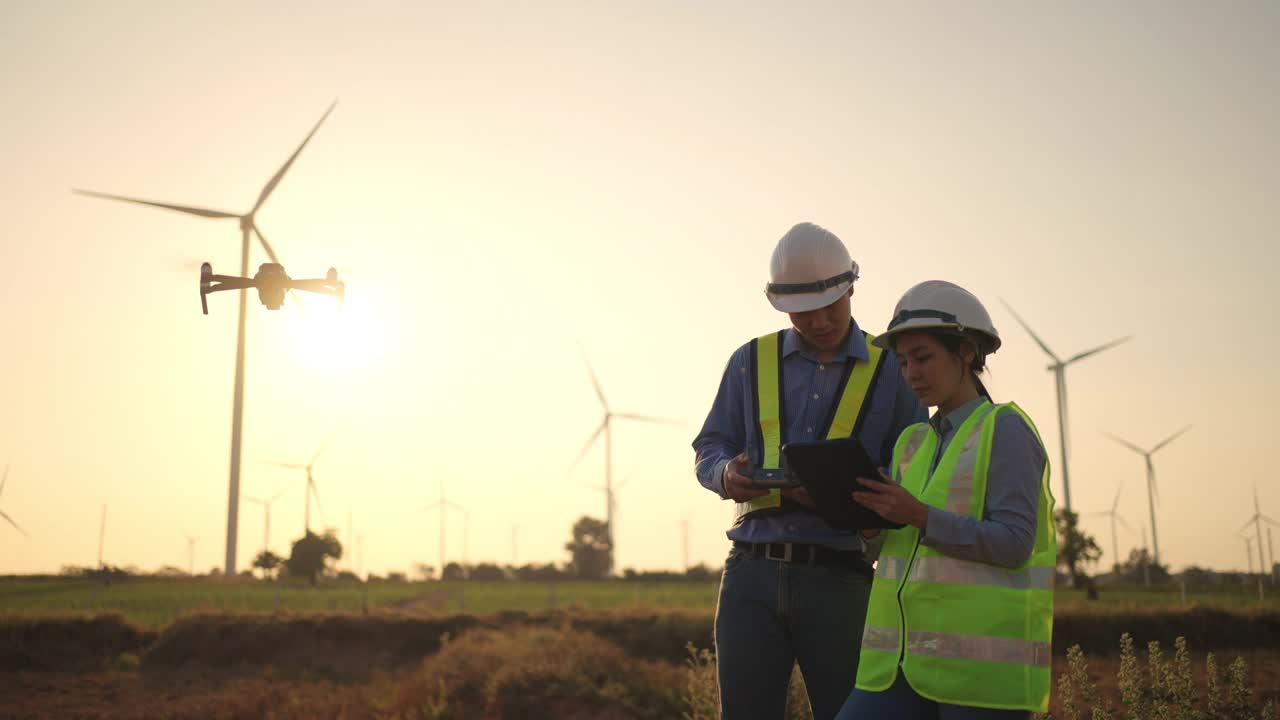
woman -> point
(961, 612)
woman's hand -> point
(892, 502)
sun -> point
(333, 340)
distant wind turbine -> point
(311, 488)
(3, 514)
(444, 505)
(1059, 369)
(1256, 521)
(605, 428)
(1248, 552)
(1152, 493)
(1115, 545)
(248, 224)
(266, 516)
(102, 534)
(191, 555)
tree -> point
(453, 571)
(1139, 569)
(311, 554)
(267, 562)
(1075, 548)
(591, 549)
(487, 572)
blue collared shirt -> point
(809, 392)
(1006, 534)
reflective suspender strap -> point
(858, 387)
(766, 381)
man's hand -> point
(892, 502)
(739, 486)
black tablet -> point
(829, 470)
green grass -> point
(154, 603)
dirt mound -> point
(1206, 629)
(339, 646)
(68, 644)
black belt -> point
(805, 554)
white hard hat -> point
(810, 269)
(940, 305)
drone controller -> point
(769, 478)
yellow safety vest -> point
(963, 632)
(856, 387)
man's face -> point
(824, 329)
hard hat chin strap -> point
(812, 287)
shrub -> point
(1166, 692)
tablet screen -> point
(829, 470)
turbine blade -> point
(455, 505)
(202, 212)
(594, 382)
(276, 497)
(271, 253)
(1095, 351)
(254, 499)
(315, 491)
(432, 506)
(320, 452)
(1125, 523)
(1031, 332)
(1126, 443)
(1170, 439)
(275, 179)
(1115, 503)
(1246, 525)
(4, 479)
(587, 447)
(1269, 520)
(14, 524)
(646, 418)
(291, 466)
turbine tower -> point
(248, 225)
(191, 555)
(1257, 521)
(1115, 545)
(3, 514)
(311, 488)
(102, 534)
(266, 516)
(605, 428)
(1059, 369)
(1152, 494)
(444, 505)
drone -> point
(271, 282)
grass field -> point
(155, 603)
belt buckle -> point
(786, 552)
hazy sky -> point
(499, 183)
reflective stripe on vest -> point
(767, 381)
(975, 634)
(951, 646)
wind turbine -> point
(191, 555)
(1248, 551)
(266, 516)
(445, 505)
(311, 488)
(605, 428)
(1256, 521)
(1152, 493)
(102, 534)
(1115, 546)
(1059, 369)
(3, 514)
(248, 225)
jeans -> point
(771, 615)
(902, 703)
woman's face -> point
(935, 374)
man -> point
(794, 589)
